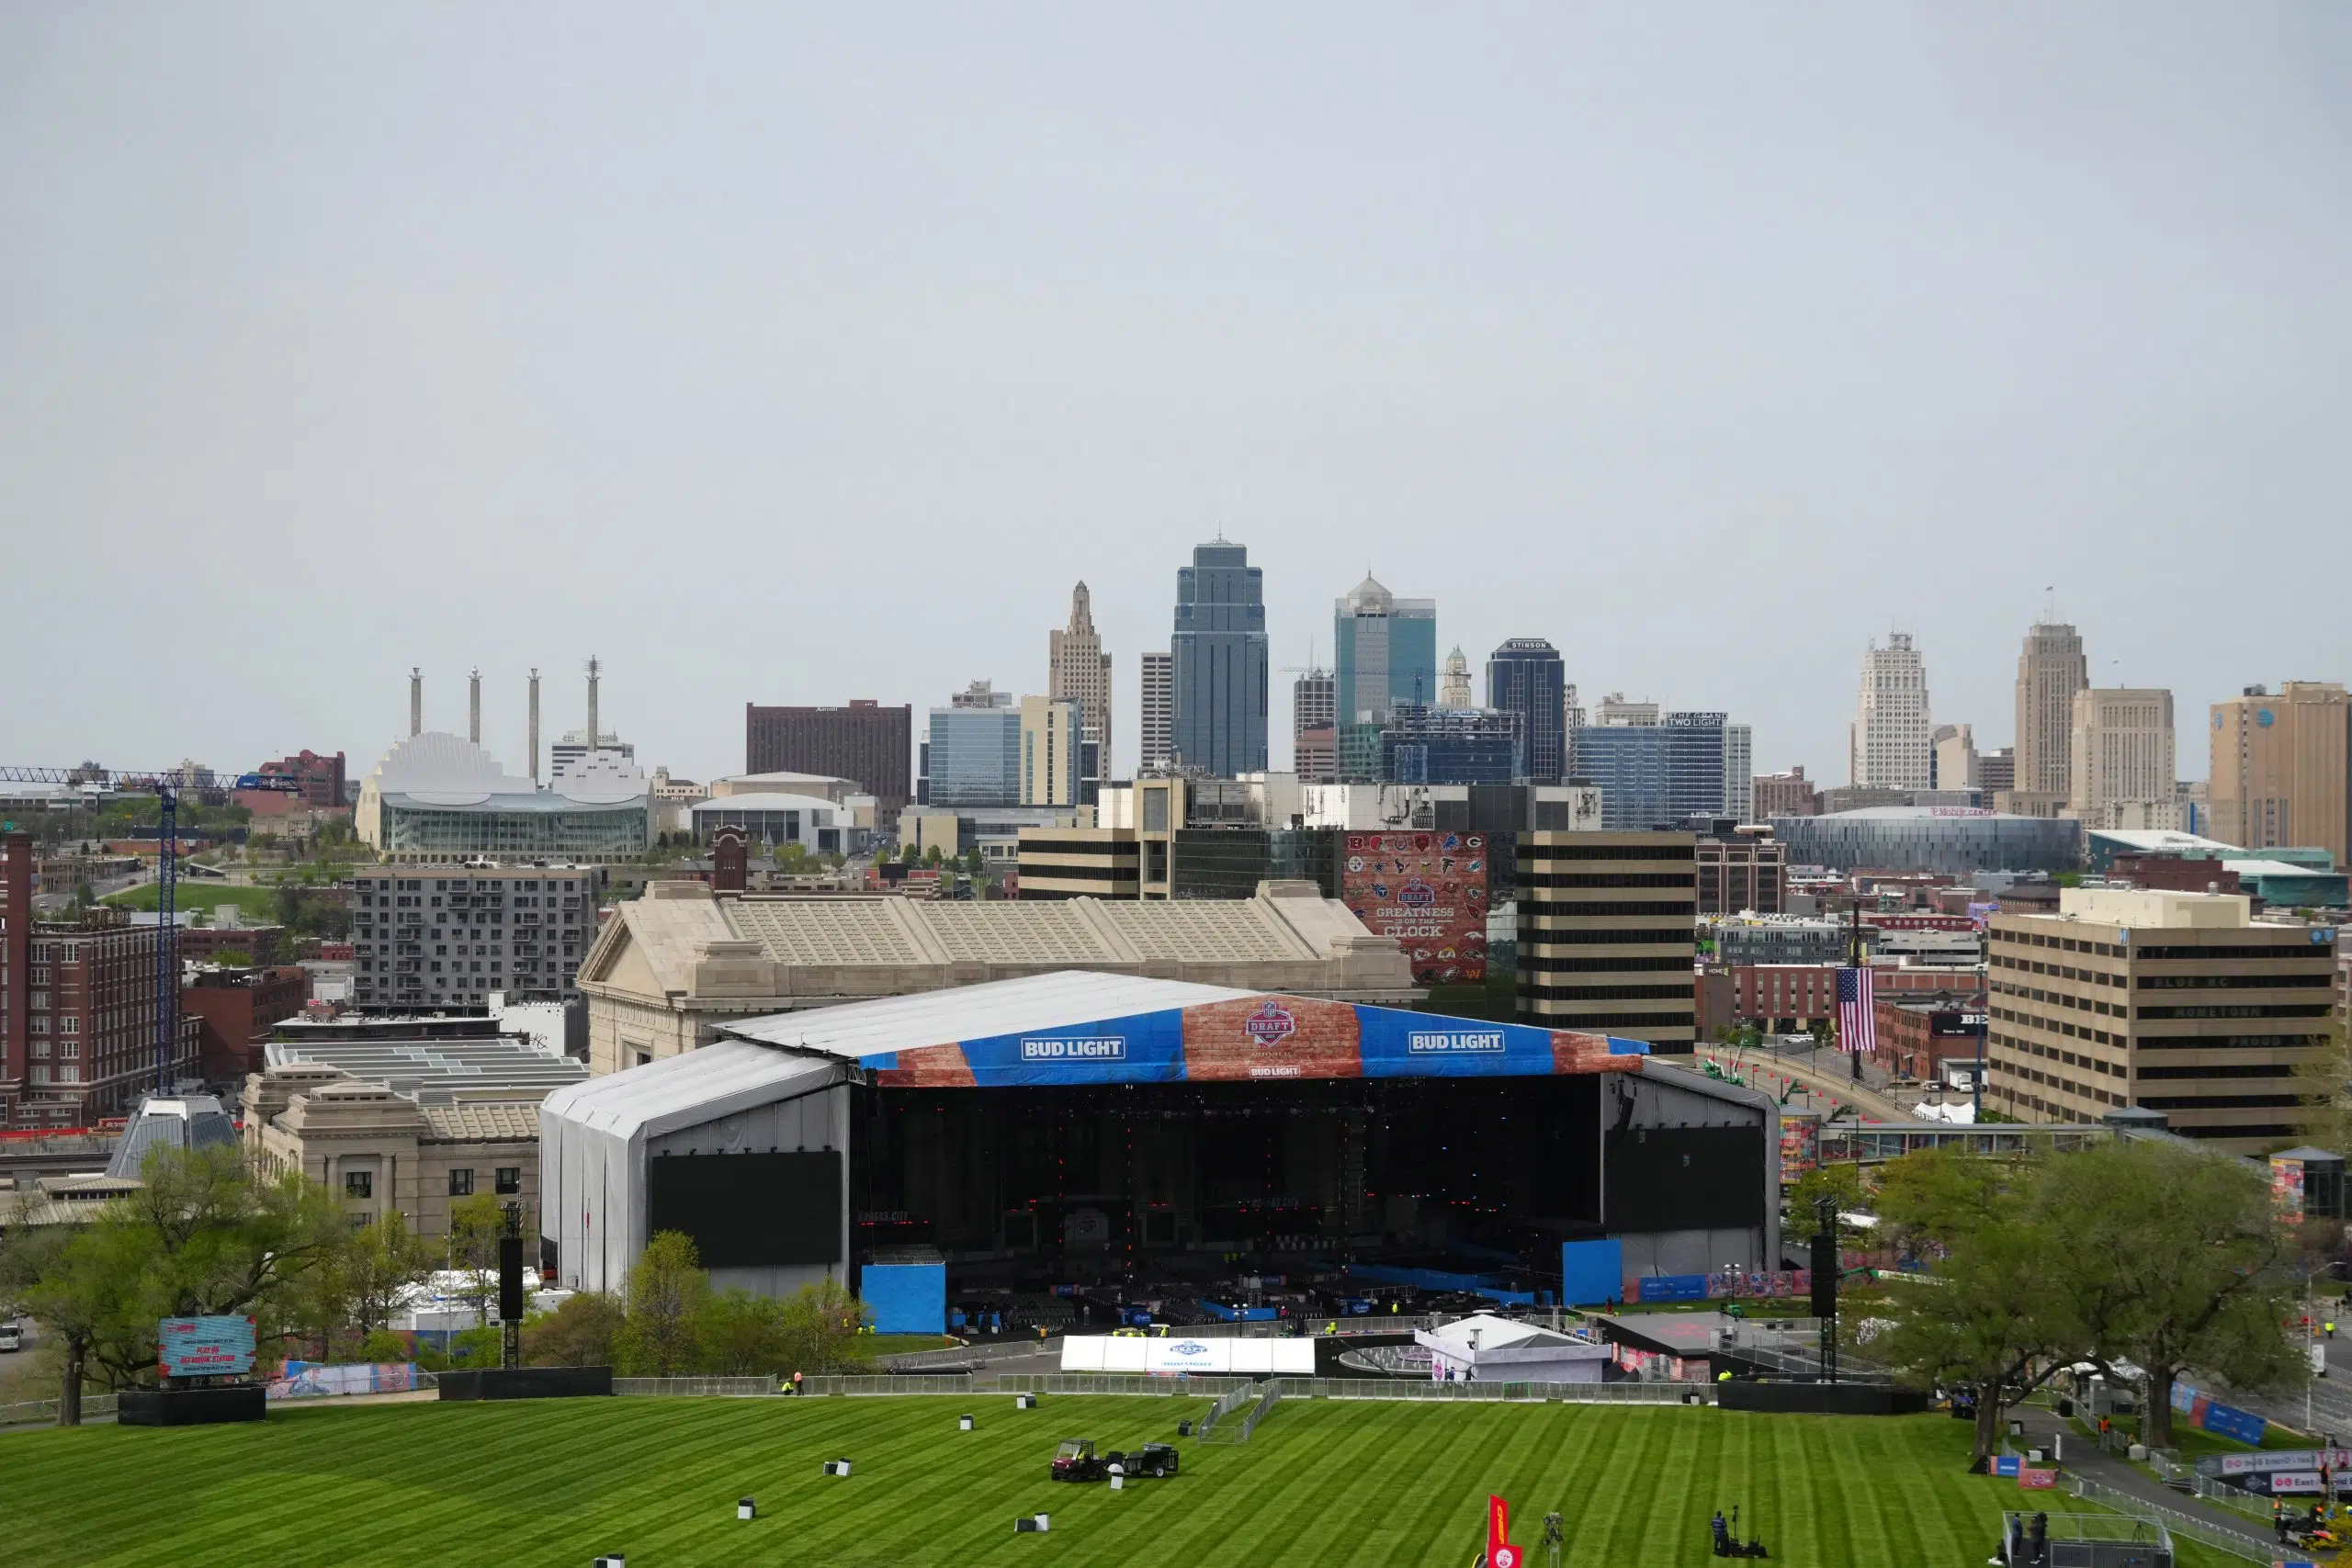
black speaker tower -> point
(1825, 1283)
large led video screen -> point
(750, 1210)
(1674, 1178)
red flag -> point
(1501, 1552)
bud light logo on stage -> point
(1097, 1049)
(1447, 1041)
(1271, 1024)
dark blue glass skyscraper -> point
(1525, 676)
(1217, 658)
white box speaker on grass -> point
(746, 1509)
(1024, 1401)
(963, 1423)
(837, 1467)
(1118, 1481)
(612, 1559)
(1031, 1524)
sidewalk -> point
(2087, 1459)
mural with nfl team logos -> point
(1253, 1039)
(1429, 891)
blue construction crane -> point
(164, 783)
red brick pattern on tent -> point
(1576, 1053)
(929, 1066)
(1272, 1037)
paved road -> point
(1829, 1085)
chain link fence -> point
(706, 1388)
(1213, 1426)
(2205, 1532)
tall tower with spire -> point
(1077, 670)
(1453, 688)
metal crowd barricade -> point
(704, 1388)
(2203, 1532)
(43, 1412)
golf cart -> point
(1075, 1460)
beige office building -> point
(2051, 670)
(2174, 1002)
(2279, 770)
(1078, 672)
(2120, 761)
(1889, 744)
(1607, 934)
(381, 1152)
(1159, 713)
(1050, 773)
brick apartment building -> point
(77, 1008)
(1791, 998)
(865, 741)
(234, 1009)
(322, 780)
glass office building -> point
(1217, 662)
(973, 757)
(1525, 677)
(1655, 773)
(1955, 840)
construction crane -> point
(165, 785)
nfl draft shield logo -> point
(1418, 894)
(1271, 1024)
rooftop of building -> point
(764, 801)
(682, 939)
(435, 768)
(436, 1072)
(2158, 840)
(1917, 814)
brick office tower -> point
(864, 741)
(80, 995)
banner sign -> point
(2030, 1476)
(1255, 1038)
(2005, 1464)
(1800, 1147)
(315, 1379)
(1429, 891)
(1181, 1356)
(1716, 1287)
(205, 1347)
(2287, 1187)
(2221, 1420)
(1501, 1552)
(2273, 1459)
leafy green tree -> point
(820, 1328)
(378, 1263)
(579, 1333)
(972, 860)
(668, 1291)
(1843, 1182)
(933, 856)
(475, 1225)
(383, 1345)
(742, 1335)
(205, 1234)
(2173, 1260)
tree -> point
(2325, 1079)
(972, 860)
(933, 856)
(579, 1333)
(1843, 1182)
(821, 1327)
(2173, 1260)
(205, 1234)
(379, 1262)
(742, 1335)
(667, 1294)
(475, 1225)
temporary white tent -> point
(726, 1098)
(1502, 1350)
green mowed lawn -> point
(259, 904)
(1323, 1483)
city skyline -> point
(582, 349)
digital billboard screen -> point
(750, 1210)
(205, 1347)
(1428, 889)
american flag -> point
(1856, 1017)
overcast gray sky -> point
(797, 354)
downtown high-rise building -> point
(1525, 676)
(2051, 670)
(2282, 768)
(1656, 769)
(1387, 652)
(2122, 767)
(866, 742)
(1888, 746)
(1313, 720)
(1078, 672)
(1155, 711)
(1217, 656)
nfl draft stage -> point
(1193, 1152)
